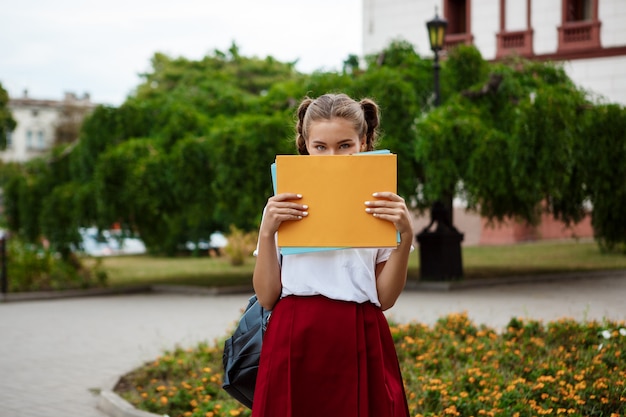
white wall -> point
(485, 26)
(387, 20)
(45, 122)
(613, 18)
(515, 17)
(545, 20)
(603, 76)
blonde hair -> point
(364, 115)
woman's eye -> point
(345, 146)
(320, 147)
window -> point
(518, 42)
(35, 112)
(9, 139)
(458, 14)
(580, 27)
(29, 139)
(579, 10)
(456, 21)
(40, 140)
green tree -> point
(601, 148)
(507, 142)
(242, 150)
(401, 83)
(7, 123)
(189, 150)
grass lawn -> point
(478, 262)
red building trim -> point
(456, 37)
(518, 42)
(578, 35)
(583, 54)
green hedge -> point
(34, 268)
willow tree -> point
(515, 144)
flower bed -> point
(453, 368)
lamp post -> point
(436, 35)
(440, 249)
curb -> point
(115, 406)
(139, 289)
(241, 289)
(516, 279)
(52, 295)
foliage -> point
(119, 183)
(402, 84)
(8, 172)
(510, 143)
(24, 191)
(453, 368)
(7, 123)
(251, 141)
(240, 245)
(36, 268)
(464, 69)
(564, 367)
(189, 151)
(602, 149)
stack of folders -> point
(335, 188)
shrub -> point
(35, 268)
(454, 368)
(240, 245)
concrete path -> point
(53, 352)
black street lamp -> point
(440, 249)
(436, 35)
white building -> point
(588, 36)
(40, 123)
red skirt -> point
(323, 357)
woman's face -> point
(334, 137)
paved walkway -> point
(53, 352)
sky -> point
(81, 46)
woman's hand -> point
(266, 277)
(281, 208)
(391, 275)
(391, 207)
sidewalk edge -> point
(516, 279)
(115, 406)
(138, 289)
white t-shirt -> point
(345, 274)
(340, 274)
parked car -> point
(108, 242)
(216, 243)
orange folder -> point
(336, 188)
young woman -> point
(328, 350)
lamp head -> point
(437, 32)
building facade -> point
(43, 123)
(587, 36)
